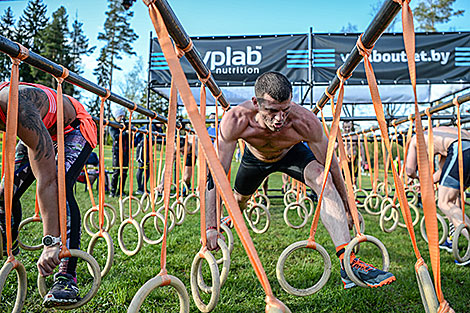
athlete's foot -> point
(368, 274)
(64, 291)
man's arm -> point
(411, 160)
(437, 174)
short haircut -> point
(275, 85)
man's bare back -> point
(443, 137)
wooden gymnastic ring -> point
(290, 196)
(142, 222)
(186, 205)
(157, 193)
(126, 200)
(358, 203)
(109, 259)
(225, 268)
(154, 283)
(426, 289)
(94, 288)
(171, 215)
(263, 199)
(445, 229)
(386, 201)
(113, 219)
(144, 197)
(248, 213)
(230, 241)
(173, 195)
(88, 223)
(413, 198)
(281, 263)
(455, 243)
(180, 211)
(267, 215)
(416, 219)
(215, 289)
(310, 203)
(381, 188)
(139, 237)
(369, 207)
(292, 206)
(349, 249)
(23, 224)
(22, 282)
(393, 215)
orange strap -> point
(376, 163)
(193, 162)
(217, 170)
(3, 152)
(90, 191)
(121, 163)
(160, 161)
(101, 181)
(131, 163)
(366, 145)
(353, 158)
(460, 159)
(202, 172)
(359, 163)
(151, 165)
(178, 162)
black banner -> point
(238, 61)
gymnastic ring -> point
(186, 205)
(173, 195)
(248, 213)
(87, 223)
(171, 215)
(455, 243)
(310, 202)
(23, 224)
(411, 195)
(142, 222)
(157, 193)
(225, 268)
(215, 289)
(358, 203)
(386, 201)
(180, 211)
(144, 197)
(154, 283)
(183, 186)
(126, 200)
(381, 188)
(426, 289)
(305, 217)
(281, 263)
(109, 259)
(445, 229)
(393, 215)
(230, 241)
(139, 237)
(290, 196)
(260, 207)
(263, 199)
(349, 249)
(368, 205)
(113, 219)
(416, 219)
(22, 282)
(94, 288)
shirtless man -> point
(35, 159)
(352, 149)
(273, 128)
(445, 145)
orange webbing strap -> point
(145, 163)
(185, 153)
(386, 160)
(217, 193)
(334, 130)
(398, 146)
(406, 146)
(121, 163)
(193, 161)
(101, 169)
(3, 152)
(203, 171)
(353, 158)
(208, 150)
(90, 191)
(430, 142)
(131, 166)
(9, 143)
(61, 164)
(359, 162)
(460, 159)
(151, 165)
(297, 194)
(178, 162)
(376, 163)
(169, 153)
(369, 165)
(160, 161)
(378, 107)
(426, 183)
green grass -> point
(242, 292)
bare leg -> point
(333, 214)
(449, 203)
(241, 199)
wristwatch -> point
(49, 240)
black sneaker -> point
(63, 292)
(368, 274)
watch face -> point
(47, 241)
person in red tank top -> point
(35, 159)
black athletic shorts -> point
(450, 170)
(252, 171)
(189, 161)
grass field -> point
(242, 292)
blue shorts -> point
(450, 170)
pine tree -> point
(118, 37)
(7, 29)
(429, 13)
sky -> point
(222, 17)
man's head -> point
(119, 114)
(273, 99)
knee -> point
(241, 199)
